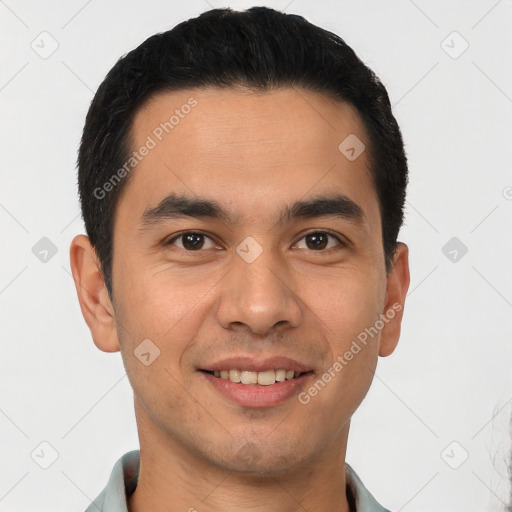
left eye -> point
(192, 241)
(319, 240)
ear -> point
(396, 289)
(95, 303)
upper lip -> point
(257, 365)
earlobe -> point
(396, 291)
(92, 294)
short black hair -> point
(261, 49)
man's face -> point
(255, 290)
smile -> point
(264, 378)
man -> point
(242, 182)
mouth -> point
(250, 383)
(253, 378)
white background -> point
(450, 377)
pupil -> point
(319, 241)
(192, 241)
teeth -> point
(280, 375)
(266, 378)
(249, 377)
(235, 375)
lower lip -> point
(248, 395)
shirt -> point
(124, 476)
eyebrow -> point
(176, 206)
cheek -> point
(348, 309)
(169, 312)
(158, 303)
(157, 325)
(348, 304)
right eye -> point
(191, 241)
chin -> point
(261, 460)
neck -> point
(173, 479)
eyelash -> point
(341, 243)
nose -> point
(258, 296)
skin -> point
(253, 153)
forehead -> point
(237, 122)
(246, 148)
